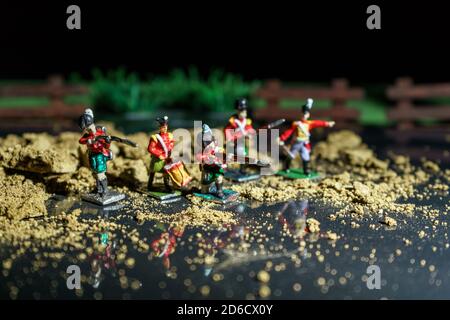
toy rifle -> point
(235, 158)
(221, 158)
(269, 126)
(274, 124)
(117, 139)
(283, 147)
(287, 152)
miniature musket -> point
(274, 124)
(230, 157)
(251, 161)
(117, 139)
(287, 151)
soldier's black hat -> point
(85, 121)
(163, 121)
(308, 105)
(240, 104)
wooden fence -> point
(338, 93)
(405, 113)
(56, 116)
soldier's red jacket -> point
(236, 128)
(302, 129)
(208, 156)
(156, 148)
(165, 245)
(99, 146)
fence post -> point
(55, 84)
(404, 103)
(273, 88)
(340, 93)
(339, 88)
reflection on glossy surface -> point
(167, 261)
(165, 244)
(104, 257)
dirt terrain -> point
(357, 184)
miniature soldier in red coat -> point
(212, 167)
(165, 245)
(301, 133)
(160, 147)
(238, 128)
(98, 149)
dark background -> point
(310, 40)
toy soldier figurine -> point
(301, 144)
(239, 126)
(212, 164)
(160, 148)
(98, 144)
(237, 131)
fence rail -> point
(338, 93)
(407, 110)
(405, 113)
(57, 115)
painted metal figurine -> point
(237, 131)
(300, 143)
(160, 147)
(98, 143)
(212, 165)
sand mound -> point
(21, 197)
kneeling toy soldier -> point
(212, 165)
